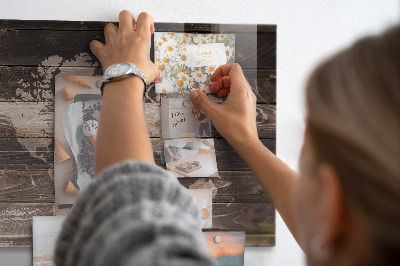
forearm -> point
(122, 131)
(275, 177)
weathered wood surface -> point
(33, 52)
(159, 26)
(36, 119)
(253, 218)
(38, 154)
(27, 186)
(36, 84)
(37, 186)
(30, 47)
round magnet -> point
(217, 239)
(98, 83)
(186, 102)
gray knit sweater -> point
(134, 213)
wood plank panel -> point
(261, 240)
(32, 47)
(16, 219)
(33, 52)
(36, 84)
(38, 154)
(251, 218)
(159, 26)
(26, 186)
(38, 186)
(36, 119)
(26, 153)
(29, 119)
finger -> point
(145, 24)
(201, 100)
(157, 76)
(232, 70)
(223, 92)
(110, 31)
(225, 82)
(97, 48)
(125, 22)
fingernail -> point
(160, 78)
(194, 94)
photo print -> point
(191, 157)
(45, 230)
(188, 60)
(204, 199)
(181, 119)
(226, 247)
(77, 111)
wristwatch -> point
(121, 71)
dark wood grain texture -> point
(31, 47)
(26, 186)
(36, 119)
(36, 84)
(159, 26)
(37, 186)
(252, 218)
(38, 154)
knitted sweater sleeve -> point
(134, 213)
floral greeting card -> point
(188, 60)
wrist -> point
(133, 85)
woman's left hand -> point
(130, 42)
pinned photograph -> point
(226, 247)
(191, 157)
(188, 60)
(45, 230)
(181, 119)
(204, 199)
(77, 112)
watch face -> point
(118, 69)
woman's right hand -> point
(235, 119)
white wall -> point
(307, 32)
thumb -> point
(157, 75)
(203, 102)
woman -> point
(343, 208)
(201, 117)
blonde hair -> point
(353, 120)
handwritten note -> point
(177, 118)
(205, 55)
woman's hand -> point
(129, 43)
(235, 119)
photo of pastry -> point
(77, 112)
